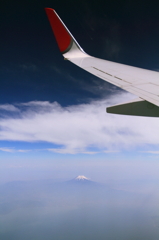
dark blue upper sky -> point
(32, 68)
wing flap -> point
(150, 97)
(137, 107)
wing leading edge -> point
(141, 82)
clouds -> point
(9, 108)
(7, 150)
(83, 128)
(28, 67)
(13, 150)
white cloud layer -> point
(79, 128)
(9, 107)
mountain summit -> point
(81, 178)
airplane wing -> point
(141, 82)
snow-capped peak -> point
(81, 177)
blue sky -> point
(52, 114)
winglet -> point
(63, 37)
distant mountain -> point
(80, 191)
(81, 181)
(81, 178)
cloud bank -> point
(83, 128)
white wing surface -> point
(141, 82)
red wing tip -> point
(49, 9)
(63, 38)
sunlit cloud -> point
(83, 128)
(9, 107)
(7, 150)
(70, 151)
(151, 152)
(12, 150)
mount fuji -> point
(82, 180)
